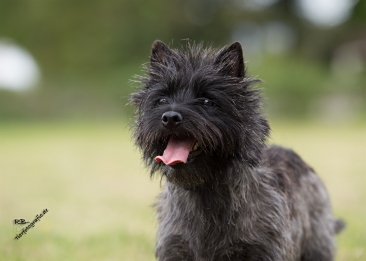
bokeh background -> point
(65, 77)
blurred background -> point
(65, 77)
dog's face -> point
(196, 114)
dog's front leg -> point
(173, 248)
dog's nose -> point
(171, 119)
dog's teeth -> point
(195, 147)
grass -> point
(98, 195)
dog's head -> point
(196, 113)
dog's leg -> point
(320, 246)
(249, 252)
(173, 249)
(317, 255)
(320, 242)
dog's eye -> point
(208, 103)
(163, 101)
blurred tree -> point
(94, 35)
(94, 46)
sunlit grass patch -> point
(91, 179)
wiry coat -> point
(236, 198)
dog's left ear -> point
(231, 58)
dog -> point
(226, 194)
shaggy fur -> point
(235, 198)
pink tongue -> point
(176, 151)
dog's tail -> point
(339, 225)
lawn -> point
(98, 195)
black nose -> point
(171, 119)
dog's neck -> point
(225, 189)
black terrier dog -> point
(227, 196)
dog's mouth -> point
(179, 151)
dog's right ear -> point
(159, 53)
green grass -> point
(90, 178)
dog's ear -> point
(159, 52)
(232, 61)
